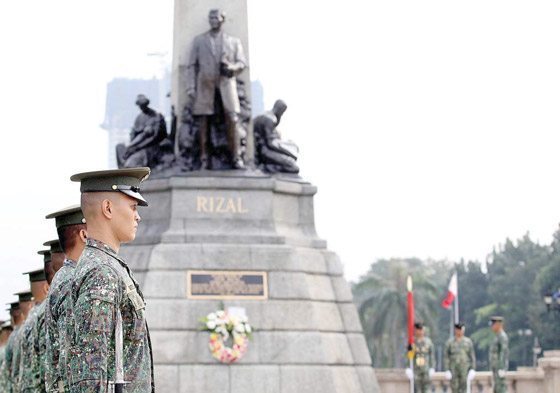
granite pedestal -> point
(308, 336)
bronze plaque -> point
(227, 285)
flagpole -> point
(457, 302)
(410, 314)
(451, 323)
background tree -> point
(512, 283)
(381, 299)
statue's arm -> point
(192, 67)
(273, 142)
(240, 59)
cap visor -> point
(135, 195)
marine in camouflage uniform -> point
(7, 329)
(499, 355)
(31, 374)
(103, 287)
(424, 359)
(459, 358)
(28, 311)
(59, 326)
(6, 379)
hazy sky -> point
(431, 128)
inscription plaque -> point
(227, 285)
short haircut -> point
(68, 236)
(221, 14)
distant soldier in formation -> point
(5, 333)
(71, 229)
(57, 257)
(499, 354)
(106, 299)
(459, 358)
(424, 359)
(13, 350)
(31, 369)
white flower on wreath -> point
(240, 328)
(248, 328)
(220, 314)
(211, 316)
(211, 324)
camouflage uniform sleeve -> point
(472, 355)
(503, 356)
(432, 355)
(31, 363)
(446, 355)
(99, 292)
(52, 352)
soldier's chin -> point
(130, 237)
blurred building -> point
(257, 98)
(121, 110)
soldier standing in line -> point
(7, 329)
(14, 368)
(424, 359)
(71, 229)
(31, 375)
(499, 355)
(56, 258)
(17, 320)
(459, 358)
(111, 343)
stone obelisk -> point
(229, 226)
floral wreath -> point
(222, 328)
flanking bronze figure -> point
(149, 144)
(272, 154)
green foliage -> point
(381, 299)
(513, 283)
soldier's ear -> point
(107, 208)
(83, 235)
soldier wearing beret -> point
(31, 375)
(106, 299)
(499, 354)
(459, 358)
(71, 229)
(26, 304)
(424, 359)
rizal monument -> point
(242, 295)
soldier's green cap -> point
(71, 215)
(24, 296)
(6, 325)
(54, 245)
(13, 306)
(37, 275)
(125, 180)
(496, 319)
(46, 255)
(459, 325)
(419, 325)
